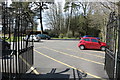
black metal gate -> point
(118, 54)
(17, 53)
(112, 39)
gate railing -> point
(17, 54)
(112, 45)
(118, 54)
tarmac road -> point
(63, 56)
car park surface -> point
(58, 55)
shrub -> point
(61, 35)
(69, 35)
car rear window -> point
(87, 39)
(94, 40)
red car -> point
(91, 43)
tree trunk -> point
(73, 33)
(69, 20)
(41, 4)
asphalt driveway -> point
(64, 56)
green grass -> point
(11, 39)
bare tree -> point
(54, 18)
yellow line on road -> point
(32, 68)
(75, 56)
(67, 65)
(87, 53)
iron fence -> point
(118, 53)
(17, 54)
(112, 45)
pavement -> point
(62, 57)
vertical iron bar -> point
(18, 41)
(8, 52)
(16, 46)
(4, 33)
(118, 55)
(10, 46)
(21, 40)
(14, 51)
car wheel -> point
(82, 47)
(102, 48)
(47, 38)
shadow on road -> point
(66, 74)
(93, 50)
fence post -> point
(118, 55)
(0, 36)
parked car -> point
(32, 38)
(91, 36)
(4, 47)
(5, 44)
(91, 43)
(44, 36)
